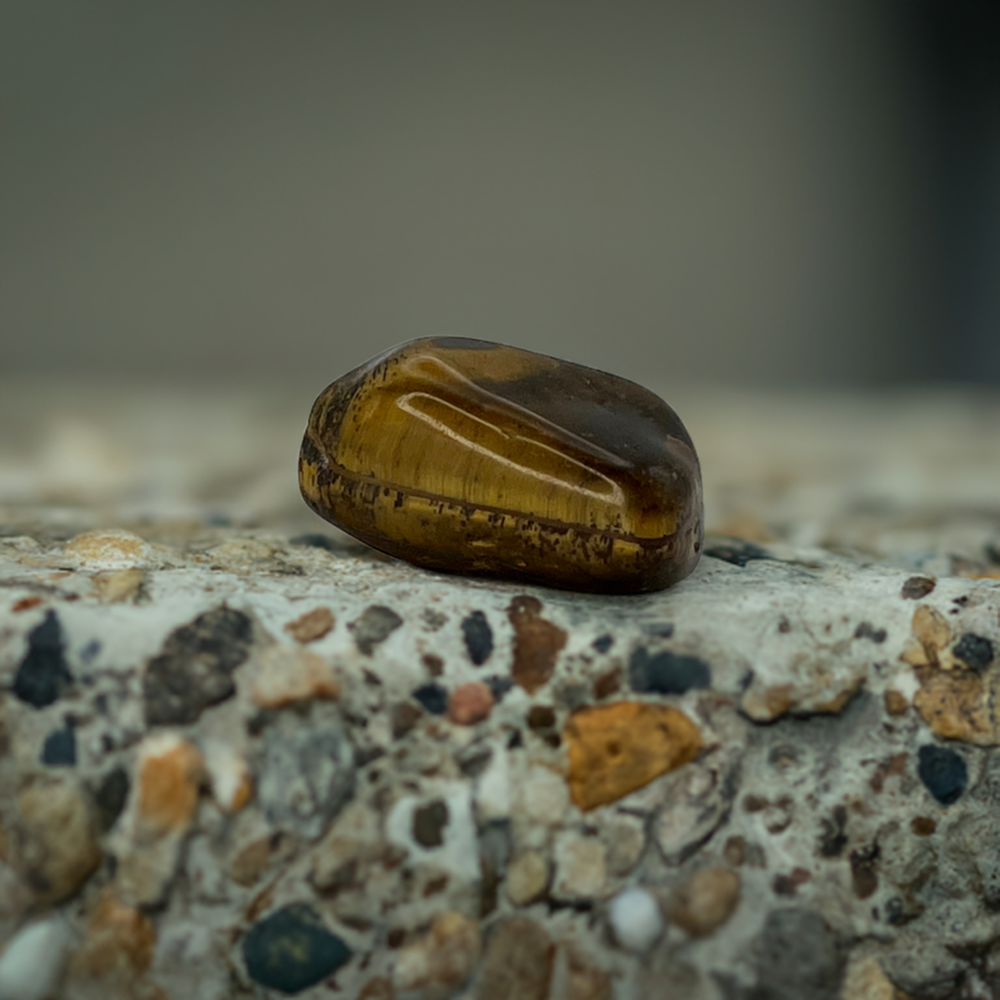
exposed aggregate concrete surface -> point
(241, 755)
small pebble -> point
(667, 673)
(896, 702)
(974, 651)
(440, 832)
(433, 697)
(374, 626)
(305, 770)
(312, 625)
(112, 549)
(229, 775)
(291, 950)
(518, 962)
(478, 637)
(916, 587)
(615, 749)
(117, 586)
(32, 963)
(287, 674)
(194, 669)
(441, 961)
(59, 749)
(110, 797)
(43, 675)
(542, 797)
(527, 877)
(158, 815)
(943, 772)
(118, 946)
(636, 919)
(55, 836)
(705, 901)
(470, 703)
(581, 866)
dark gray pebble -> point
(667, 673)
(478, 637)
(943, 772)
(375, 625)
(291, 950)
(974, 651)
(433, 697)
(194, 670)
(43, 675)
(59, 749)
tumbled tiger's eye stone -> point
(469, 456)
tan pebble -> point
(54, 839)
(769, 703)
(312, 625)
(241, 554)
(470, 703)
(109, 549)
(118, 586)
(960, 706)
(581, 867)
(865, 980)
(931, 639)
(895, 702)
(705, 901)
(355, 837)
(229, 775)
(170, 774)
(582, 981)
(149, 837)
(518, 962)
(542, 798)
(626, 840)
(835, 702)
(930, 627)
(286, 675)
(247, 865)
(119, 942)
(615, 749)
(378, 988)
(527, 877)
(441, 961)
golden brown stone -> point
(615, 749)
(469, 456)
(168, 784)
(960, 705)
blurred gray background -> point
(778, 193)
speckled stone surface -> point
(241, 755)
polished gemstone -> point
(468, 456)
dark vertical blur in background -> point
(775, 193)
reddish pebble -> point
(470, 703)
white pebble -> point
(635, 919)
(32, 963)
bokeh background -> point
(777, 193)
(783, 215)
